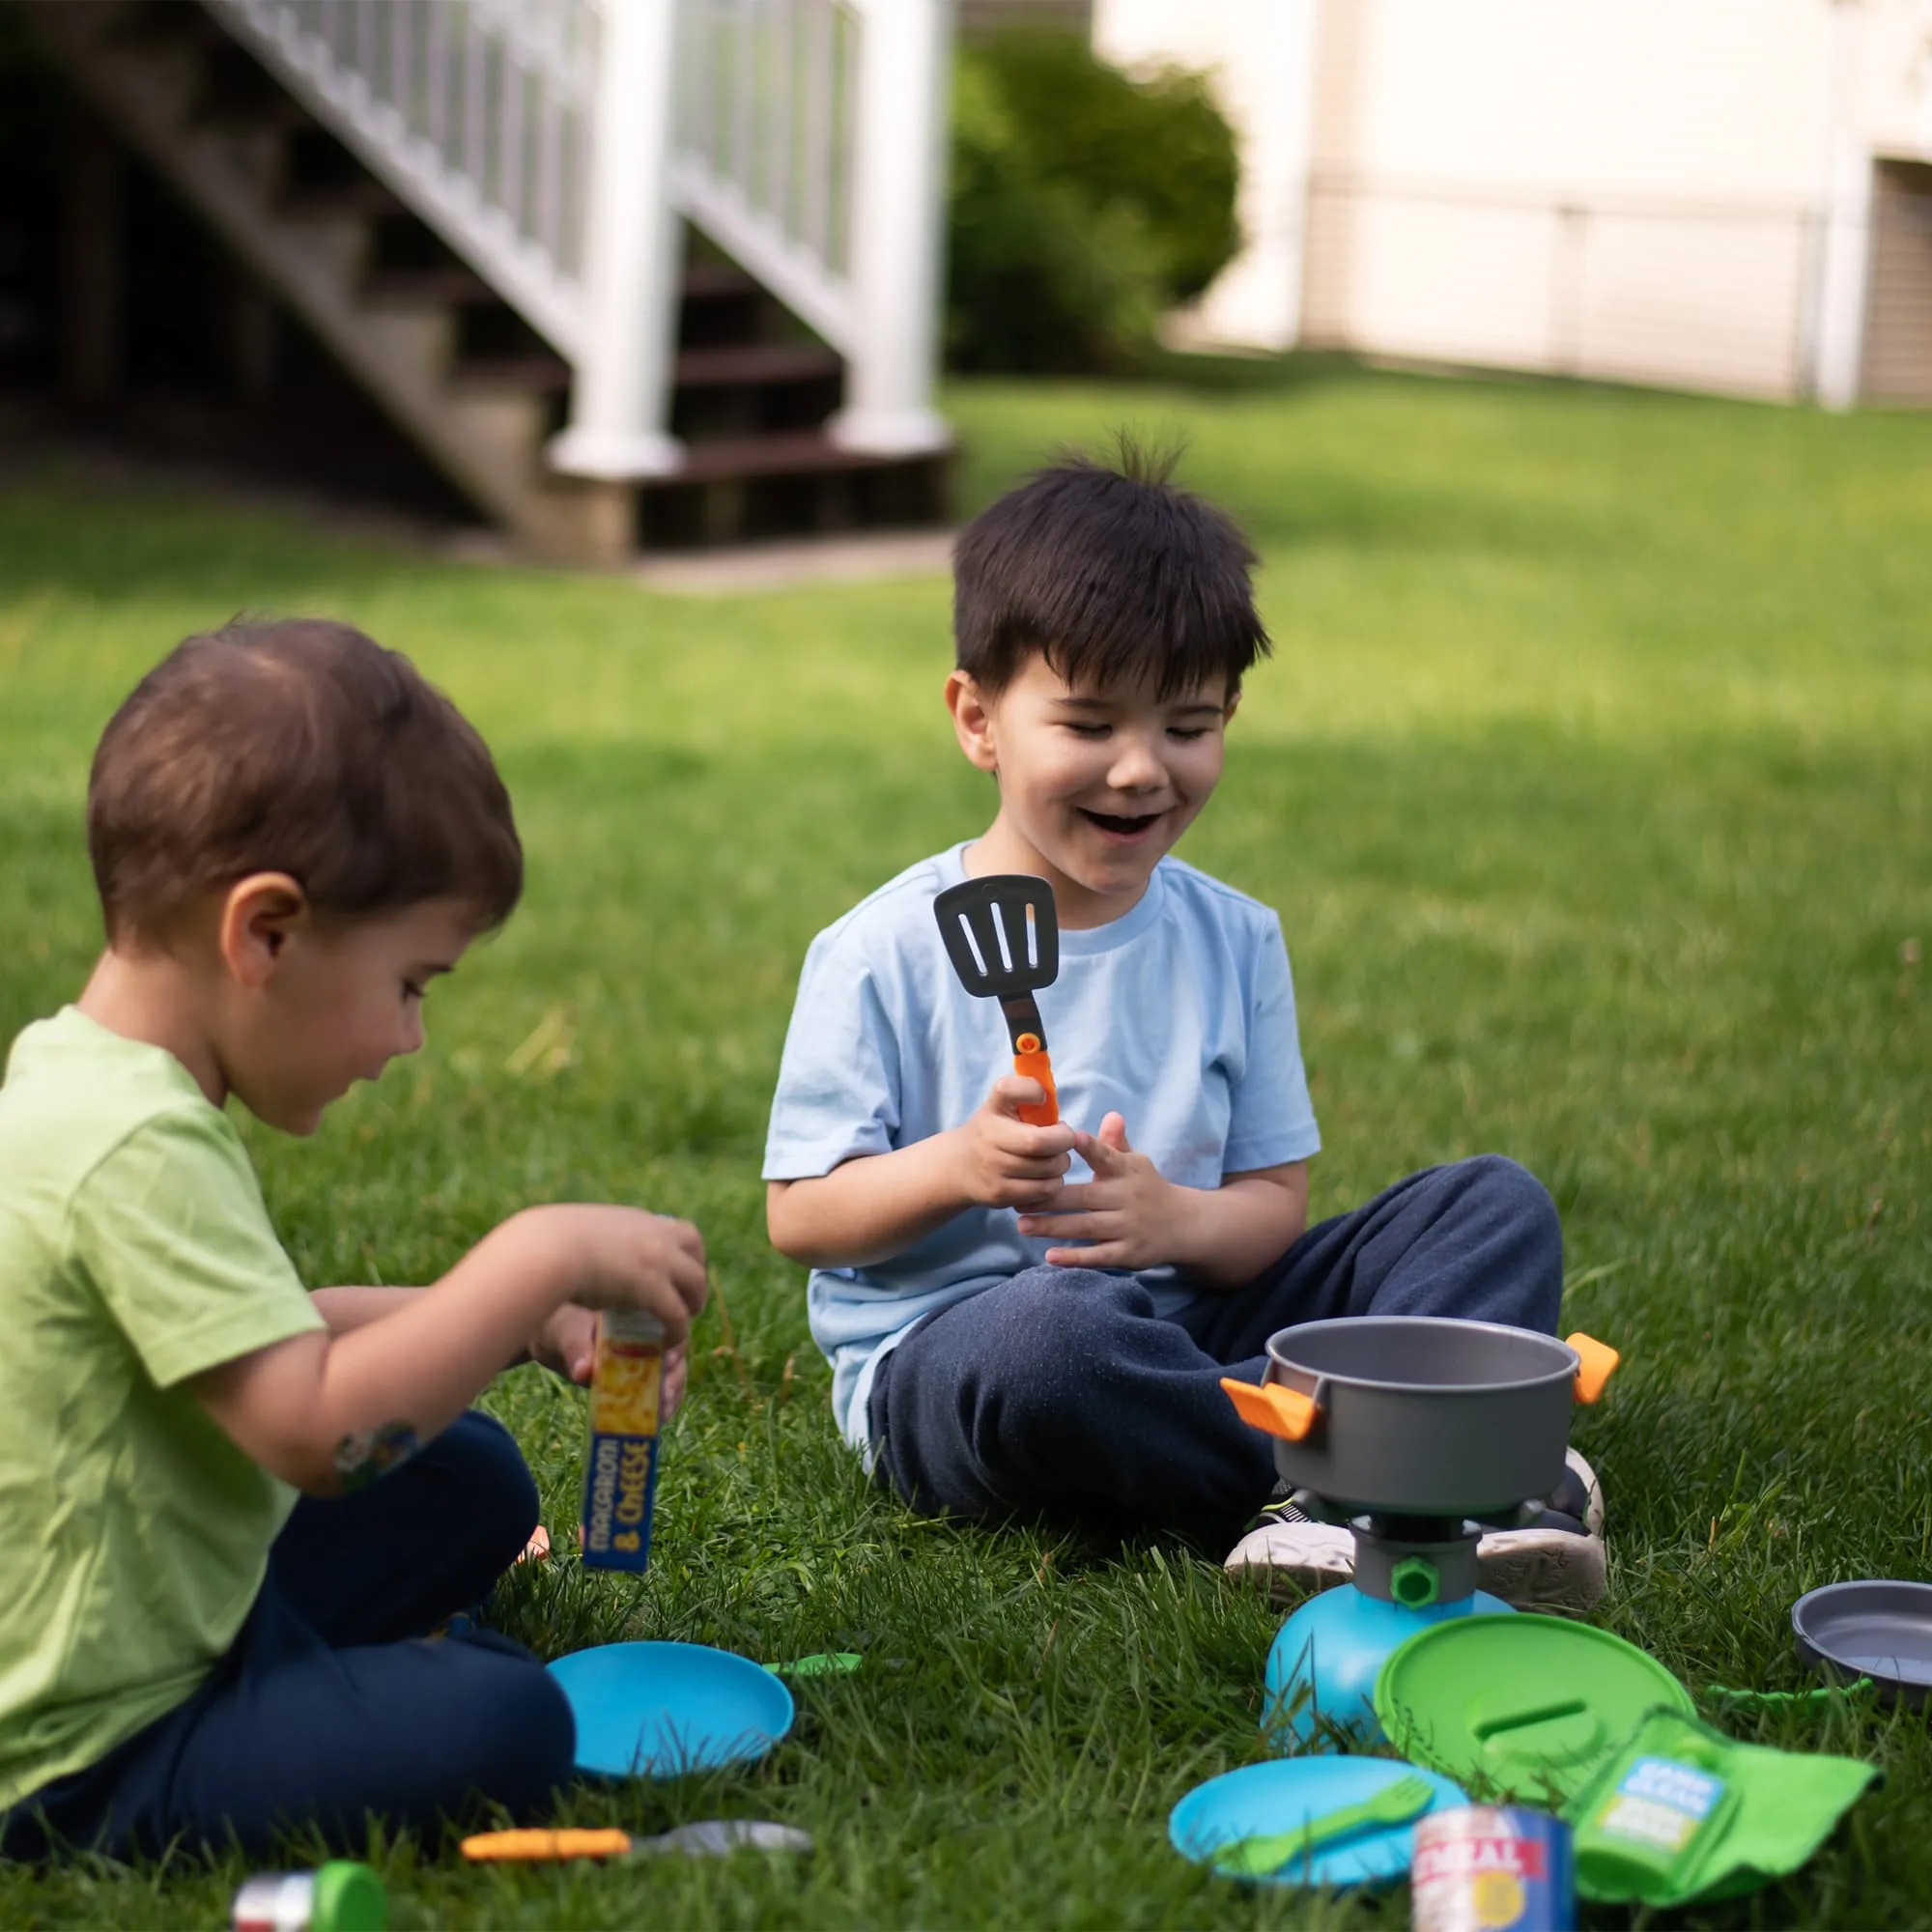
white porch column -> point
(621, 402)
(899, 216)
(1844, 270)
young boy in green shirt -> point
(233, 1508)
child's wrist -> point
(1184, 1213)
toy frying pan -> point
(1878, 1628)
(1001, 934)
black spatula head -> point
(1001, 934)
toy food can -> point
(340, 1897)
(620, 1473)
(1483, 1868)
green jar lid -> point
(1524, 1706)
(348, 1898)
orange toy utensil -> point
(1001, 934)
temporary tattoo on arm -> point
(364, 1459)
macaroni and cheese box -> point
(620, 1473)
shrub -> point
(1083, 205)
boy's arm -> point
(565, 1343)
(1130, 1217)
(875, 1206)
(347, 1308)
(327, 1412)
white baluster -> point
(897, 184)
(622, 398)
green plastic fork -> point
(1259, 1856)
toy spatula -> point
(1002, 935)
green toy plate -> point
(1522, 1706)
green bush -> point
(1083, 205)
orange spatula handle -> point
(1031, 1063)
(527, 1847)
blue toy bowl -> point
(1290, 1792)
(662, 1709)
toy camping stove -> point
(1410, 1572)
(1420, 1433)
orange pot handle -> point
(1269, 1407)
(529, 1847)
(1031, 1063)
(1597, 1362)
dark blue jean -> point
(332, 1702)
(1062, 1396)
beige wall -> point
(1629, 188)
(1262, 56)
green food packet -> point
(1647, 1833)
(1683, 1813)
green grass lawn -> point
(1591, 781)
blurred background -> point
(684, 273)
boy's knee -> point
(498, 1495)
(534, 1742)
(507, 1728)
(1045, 1329)
(1518, 1207)
(1509, 1190)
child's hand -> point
(566, 1344)
(1127, 1212)
(624, 1258)
(1007, 1163)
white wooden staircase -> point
(631, 273)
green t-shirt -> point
(134, 1252)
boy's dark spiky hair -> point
(1115, 576)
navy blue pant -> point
(1062, 1396)
(329, 1704)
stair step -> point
(709, 281)
(165, 22)
(795, 453)
(748, 364)
(450, 284)
(329, 201)
(535, 375)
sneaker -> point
(1555, 1563)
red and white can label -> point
(1484, 1868)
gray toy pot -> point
(1419, 1416)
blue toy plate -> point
(1289, 1793)
(660, 1710)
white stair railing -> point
(479, 114)
(552, 143)
(764, 144)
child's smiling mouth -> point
(1115, 827)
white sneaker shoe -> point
(1548, 1566)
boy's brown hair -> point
(300, 746)
(1110, 572)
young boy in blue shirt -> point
(233, 1509)
(1028, 1320)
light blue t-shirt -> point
(1178, 1016)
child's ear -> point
(1232, 705)
(257, 915)
(972, 720)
